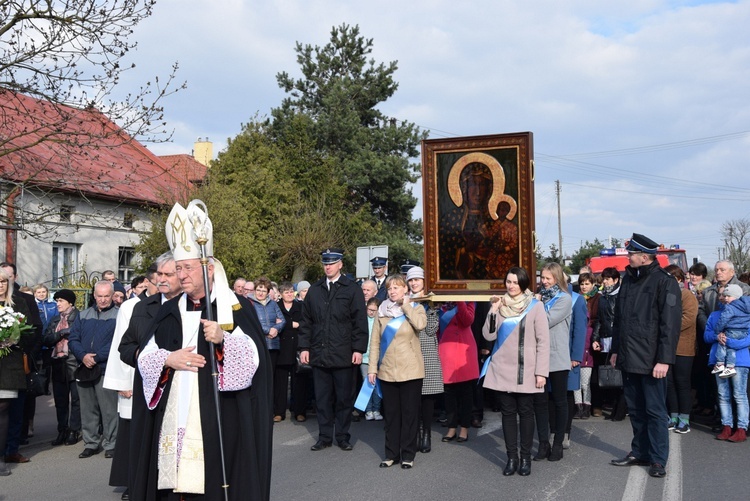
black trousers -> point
(427, 412)
(679, 395)
(646, 397)
(301, 392)
(118, 473)
(334, 398)
(280, 388)
(401, 407)
(515, 408)
(459, 400)
(559, 383)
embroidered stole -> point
(181, 460)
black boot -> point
(61, 436)
(579, 412)
(556, 454)
(420, 437)
(525, 469)
(427, 442)
(73, 437)
(544, 451)
(511, 466)
(586, 411)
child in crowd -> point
(372, 412)
(734, 323)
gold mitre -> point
(186, 227)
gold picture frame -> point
(478, 195)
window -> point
(64, 261)
(66, 213)
(126, 264)
(128, 220)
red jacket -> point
(457, 347)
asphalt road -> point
(700, 467)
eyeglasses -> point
(3, 282)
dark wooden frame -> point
(443, 162)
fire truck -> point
(618, 258)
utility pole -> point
(559, 222)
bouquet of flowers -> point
(12, 325)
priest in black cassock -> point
(181, 458)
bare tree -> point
(73, 52)
(736, 235)
(61, 62)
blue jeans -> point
(738, 390)
(374, 404)
(728, 356)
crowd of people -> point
(127, 372)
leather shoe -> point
(320, 445)
(657, 470)
(476, 423)
(87, 453)
(125, 495)
(344, 445)
(629, 460)
(510, 467)
(525, 469)
(109, 454)
(16, 458)
(461, 440)
(447, 438)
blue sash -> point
(549, 304)
(365, 393)
(509, 324)
(446, 317)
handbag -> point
(302, 368)
(36, 380)
(609, 377)
(84, 374)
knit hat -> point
(67, 295)
(414, 272)
(303, 285)
(732, 290)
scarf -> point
(389, 309)
(61, 347)
(513, 307)
(591, 293)
(548, 294)
(611, 290)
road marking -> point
(489, 425)
(673, 481)
(635, 488)
(299, 440)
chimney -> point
(203, 151)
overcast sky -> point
(639, 108)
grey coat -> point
(559, 333)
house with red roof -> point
(76, 190)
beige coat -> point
(502, 373)
(403, 360)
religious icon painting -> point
(478, 212)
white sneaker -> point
(727, 373)
(369, 415)
(566, 441)
(718, 369)
(378, 416)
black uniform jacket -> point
(648, 315)
(334, 326)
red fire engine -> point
(618, 258)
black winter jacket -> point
(334, 327)
(648, 315)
